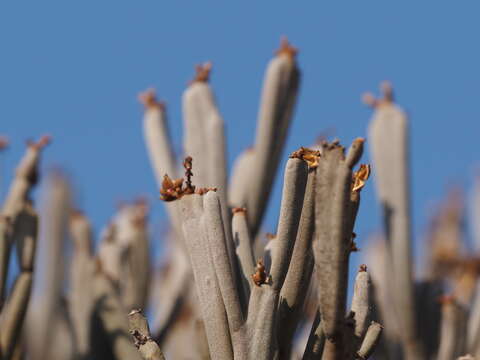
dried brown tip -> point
(3, 142)
(202, 72)
(76, 215)
(270, 236)
(387, 96)
(446, 299)
(203, 191)
(286, 49)
(360, 177)
(149, 99)
(310, 156)
(41, 143)
(239, 210)
(260, 276)
(362, 268)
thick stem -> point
(295, 288)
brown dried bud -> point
(260, 276)
(149, 99)
(171, 189)
(202, 72)
(286, 49)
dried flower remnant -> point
(308, 155)
(360, 177)
(286, 49)
(239, 210)
(171, 189)
(149, 99)
(260, 277)
(202, 72)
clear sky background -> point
(73, 69)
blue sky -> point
(74, 69)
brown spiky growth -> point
(149, 99)
(202, 72)
(387, 96)
(171, 189)
(3, 142)
(41, 143)
(308, 155)
(362, 268)
(260, 276)
(360, 177)
(187, 164)
(239, 210)
(286, 49)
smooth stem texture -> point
(295, 288)
(335, 208)
(276, 108)
(208, 290)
